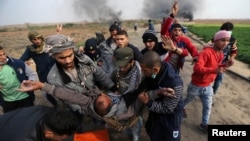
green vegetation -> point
(241, 32)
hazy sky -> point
(53, 11)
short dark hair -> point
(175, 25)
(61, 122)
(122, 32)
(150, 59)
(113, 27)
(227, 26)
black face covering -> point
(93, 56)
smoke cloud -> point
(95, 10)
(160, 8)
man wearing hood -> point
(150, 41)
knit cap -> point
(90, 44)
(58, 43)
(149, 36)
(221, 34)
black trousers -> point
(13, 105)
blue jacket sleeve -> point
(26, 55)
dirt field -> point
(232, 105)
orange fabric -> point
(98, 135)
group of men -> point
(114, 87)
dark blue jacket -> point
(24, 124)
(43, 62)
(165, 113)
(19, 67)
(167, 77)
(136, 52)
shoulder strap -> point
(114, 123)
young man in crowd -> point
(127, 76)
(165, 112)
(207, 67)
(107, 49)
(12, 73)
(150, 41)
(230, 52)
(178, 45)
(43, 61)
(78, 73)
(122, 41)
(91, 49)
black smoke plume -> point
(95, 10)
(155, 9)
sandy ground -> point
(232, 104)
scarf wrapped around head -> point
(58, 43)
(34, 34)
(37, 49)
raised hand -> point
(175, 8)
(58, 28)
(168, 44)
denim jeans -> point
(217, 82)
(206, 96)
(135, 131)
